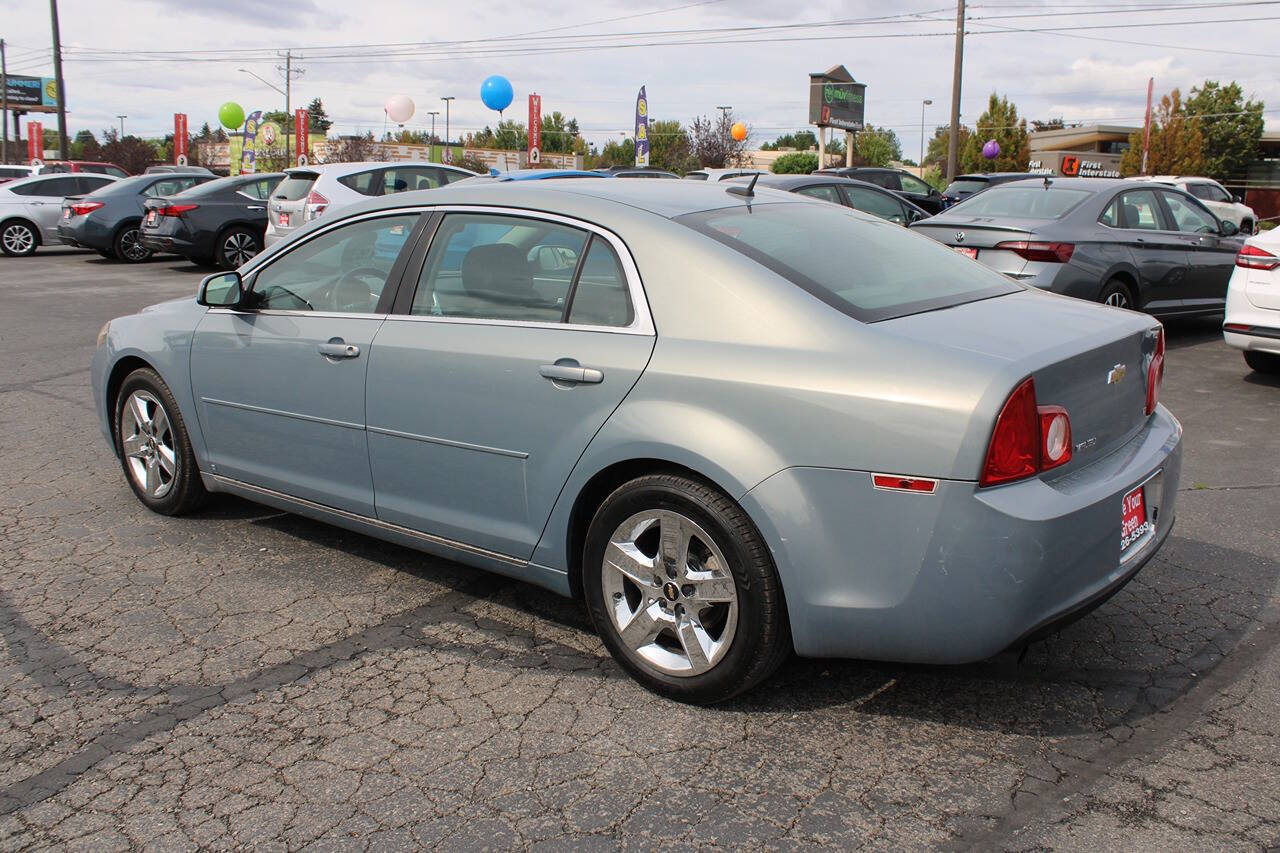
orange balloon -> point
(739, 131)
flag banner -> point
(535, 130)
(247, 152)
(642, 129)
(35, 142)
(301, 133)
(180, 139)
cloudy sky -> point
(1086, 60)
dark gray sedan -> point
(1131, 244)
(109, 220)
(849, 192)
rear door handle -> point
(337, 349)
(571, 373)
(255, 207)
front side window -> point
(343, 270)
(1189, 216)
(826, 192)
(877, 204)
(914, 185)
(871, 270)
(1139, 209)
(493, 267)
(89, 183)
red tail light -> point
(1027, 438)
(175, 209)
(1051, 253)
(1155, 372)
(314, 205)
(80, 208)
(1253, 258)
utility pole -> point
(289, 73)
(122, 118)
(446, 100)
(4, 116)
(953, 144)
(62, 92)
(432, 150)
(925, 103)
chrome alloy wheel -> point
(1118, 299)
(18, 239)
(132, 249)
(147, 437)
(670, 593)
(238, 248)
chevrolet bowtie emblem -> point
(1115, 374)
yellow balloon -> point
(739, 131)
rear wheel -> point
(154, 448)
(237, 246)
(127, 246)
(682, 590)
(1117, 295)
(18, 239)
(1263, 362)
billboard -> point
(1075, 164)
(32, 94)
(836, 99)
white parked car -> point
(721, 174)
(309, 191)
(1252, 322)
(31, 207)
(12, 173)
(1224, 205)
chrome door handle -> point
(337, 349)
(571, 373)
(255, 207)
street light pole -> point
(122, 118)
(925, 103)
(447, 137)
(433, 114)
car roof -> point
(542, 174)
(21, 182)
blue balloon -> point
(496, 92)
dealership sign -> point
(32, 94)
(1076, 164)
(35, 142)
(535, 130)
(836, 99)
(180, 139)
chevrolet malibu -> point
(734, 422)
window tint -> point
(867, 269)
(965, 185)
(1034, 202)
(499, 268)
(1111, 216)
(170, 186)
(600, 296)
(93, 168)
(877, 204)
(51, 188)
(1190, 216)
(116, 171)
(13, 172)
(826, 192)
(696, 176)
(295, 186)
(89, 183)
(405, 178)
(914, 185)
(1138, 209)
(343, 270)
(888, 180)
(258, 190)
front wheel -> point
(128, 247)
(1263, 362)
(154, 448)
(18, 239)
(682, 590)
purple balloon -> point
(991, 149)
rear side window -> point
(1139, 209)
(295, 186)
(888, 180)
(826, 192)
(170, 186)
(599, 297)
(871, 270)
(1034, 202)
(89, 183)
(54, 187)
(877, 204)
(362, 182)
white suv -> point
(1252, 321)
(309, 191)
(1225, 206)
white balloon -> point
(399, 108)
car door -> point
(920, 193)
(486, 387)
(877, 203)
(280, 385)
(44, 203)
(1210, 256)
(1137, 222)
(826, 192)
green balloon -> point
(231, 115)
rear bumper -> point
(273, 236)
(963, 573)
(86, 234)
(164, 243)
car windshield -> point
(965, 186)
(1016, 202)
(870, 269)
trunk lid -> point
(978, 235)
(1087, 358)
(284, 209)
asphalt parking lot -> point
(248, 678)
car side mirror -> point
(933, 192)
(221, 290)
(1238, 199)
(1229, 229)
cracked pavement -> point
(248, 678)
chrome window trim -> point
(289, 312)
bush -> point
(472, 163)
(799, 163)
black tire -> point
(126, 247)
(236, 242)
(1117, 294)
(185, 490)
(19, 238)
(761, 638)
(1263, 362)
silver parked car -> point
(30, 208)
(731, 424)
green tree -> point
(615, 153)
(713, 143)
(1177, 143)
(670, 147)
(317, 119)
(85, 146)
(796, 163)
(1230, 125)
(936, 153)
(876, 146)
(801, 140)
(1001, 123)
(132, 154)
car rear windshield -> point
(1024, 202)
(296, 185)
(867, 268)
(963, 186)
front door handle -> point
(337, 349)
(571, 373)
(255, 207)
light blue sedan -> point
(734, 422)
